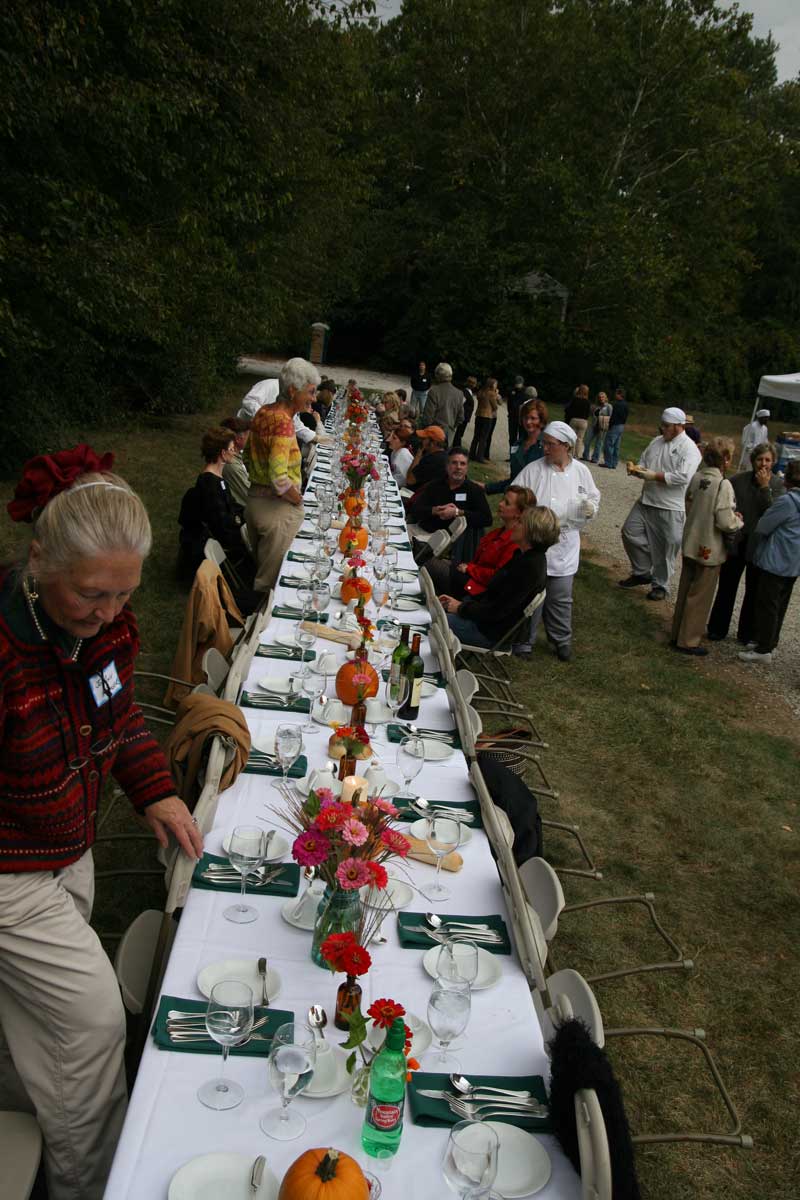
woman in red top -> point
(494, 550)
(68, 721)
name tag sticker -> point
(461, 496)
(105, 684)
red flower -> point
(378, 873)
(334, 948)
(356, 960)
(332, 816)
(395, 842)
(48, 475)
(384, 1012)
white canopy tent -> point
(777, 387)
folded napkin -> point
(406, 921)
(404, 813)
(297, 771)
(290, 581)
(287, 883)
(297, 556)
(259, 1046)
(294, 614)
(385, 623)
(300, 704)
(400, 545)
(425, 1111)
(306, 534)
(398, 733)
(430, 676)
(420, 853)
(286, 654)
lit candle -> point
(352, 785)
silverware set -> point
(185, 1028)
(489, 1106)
(282, 652)
(480, 935)
(260, 877)
(424, 809)
(271, 700)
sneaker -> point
(656, 593)
(634, 581)
(752, 656)
(564, 651)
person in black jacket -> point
(483, 620)
(441, 501)
(208, 511)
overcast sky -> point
(782, 17)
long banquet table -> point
(166, 1125)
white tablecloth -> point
(166, 1124)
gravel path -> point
(603, 540)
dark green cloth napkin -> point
(432, 676)
(305, 534)
(258, 1047)
(437, 1112)
(418, 941)
(404, 813)
(297, 556)
(397, 733)
(400, 545)
(385, 623)
(296, 614)
(252, 700)
(287, 883)
(285, 654)
(297, 771)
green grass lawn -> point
(683, 779)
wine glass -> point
(291, 1068)
(304, 598)
(288, 746)
(390, 553)
(394, 582)
(324, 516)
(458, 960)
(396, 693)
(410, 757)
(229, 1019)
(443, 836)
(448, 1014)
(246, 851)
(313, 686)
(470, 1160)
(330, 542)
(304, 640)
(321, 595)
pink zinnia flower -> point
(396, 842)
(325, 796)
(384, 805)
(310, 848)
(354, 832)
(352, 873)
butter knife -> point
(257, 1173)
(262, 971)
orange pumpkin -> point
(346, 690)
(356, 588)
(324, 1175)
(353, 503)
(353, 535)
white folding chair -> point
(596, 1182)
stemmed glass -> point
(396, 693)
(470, 1160)
(448, 1015)
(246, 851)
(288, 745)
(443, 836)
(291, 1069)
(229, 1019)
(304, 639)
(390, 553)
(395, 584)
(321, 595)
(458, 961)
(304, 598)
(410, 757)
(313, 686)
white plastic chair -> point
(20, 1152)
(134, 957)
(596, 1182)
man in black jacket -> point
(440, 502)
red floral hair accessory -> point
(48, 475)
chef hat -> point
(763, 412)
(561, 432)
(673, 416)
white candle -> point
(351, 786)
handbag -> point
(603, 422)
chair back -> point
(439, 541)
(569, 995)
(216, 668)
(543, 889)
(467, 684)
(596, 1182)
(457, 527)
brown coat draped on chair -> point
(200, 717)
(209, 610)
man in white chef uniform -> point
(754, 434)
(560, 483)
(653, 531)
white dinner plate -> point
(489, 970)
(523, 1164)
(277, 847)
(406, 604)
(244, 970)
(273, 683)
(263, 740)
(397, 894)
(286, 639)
(331, 1076)
(436, 751)
(421, 1035)
(211, 1176)
(307, 916)
(387, 789)
(428, 688)
(419, 829)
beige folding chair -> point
(214, 551)
(493, 672)
(596, 1182)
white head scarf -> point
(673, 416)
(763, 412)
(561, 432)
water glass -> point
(448, 1016)
(443, 837)
(229, 1019)
(470, 1160)
(321, 594)
(292, 1059)
(246, 851)
(288, 747)
(410, 759)
(458, 961)
(304, 639)
(313, 687)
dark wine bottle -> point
(414, 669)
(401, 653)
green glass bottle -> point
(401, 653)
(414, 670)
(383, 1121)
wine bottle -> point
(401, 653)
(383, 1121)
(413, 669)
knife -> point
(526, 1107)
(262, 971)
(257, 1173)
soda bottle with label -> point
(383, 1121)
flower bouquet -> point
(357, 466)
(349, 741)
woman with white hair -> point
(445, 404)
(275, 504)
(68, 726)
(567, 487)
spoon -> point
(463, 1085)
(318, 1019)
(436, 923)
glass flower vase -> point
(339, 912)
(359, 1085)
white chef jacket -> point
(754, 434)
(678, 460)
(263, 392)
(563, 492)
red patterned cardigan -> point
(48, 717)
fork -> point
(495, 1110)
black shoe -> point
(695, 651)
(635, 581)
(656, 593)
(564, 651)
(716, 637)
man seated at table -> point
(494, 550)
(430, 460)
(442, 500)
(483, 620)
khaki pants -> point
(695, 597)
(64, 1025)
(579, 425)
(272, 525)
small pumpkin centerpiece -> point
(357, 680)
(349, 741)
(324, 1175)
(354, 536)
(355, 586)
(353, 502)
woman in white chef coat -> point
(566, 486)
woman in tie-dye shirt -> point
(275, 505)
